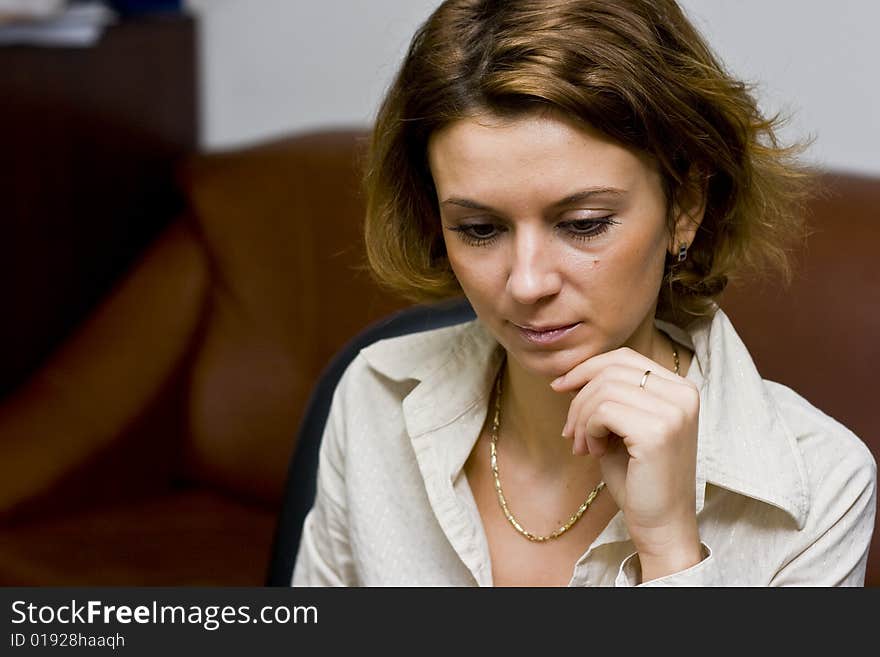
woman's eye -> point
(588, 228)
(578, 229)
(477, 234)
(482, 230)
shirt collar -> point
(453, 369)
(744, 443)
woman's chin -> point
(546, 365)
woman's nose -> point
(534, 270)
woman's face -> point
(550, 225)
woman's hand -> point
(645, 439)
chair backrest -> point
(301, 481)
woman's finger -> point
(595, 441)
(631, 386)
(581, 374)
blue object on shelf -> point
(136, 7)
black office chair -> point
(302, 474)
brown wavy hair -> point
(637, 71)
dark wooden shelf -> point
(89, 141)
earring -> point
(682, 251)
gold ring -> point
(645, 379)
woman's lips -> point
(548, 336)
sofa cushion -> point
(282, 226)
(184, 538)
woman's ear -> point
(688, 211)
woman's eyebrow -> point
(467, 203)
(608, 192)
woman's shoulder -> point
(416, 355)
(414, 380)
(818, 433)
(388, 369)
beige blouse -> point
(786, 495)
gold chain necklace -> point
(493, 462)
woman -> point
(590, 178)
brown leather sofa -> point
(151, 448)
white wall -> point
(271, 67)
(275, 66)
(814, 60)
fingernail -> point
(557, 381)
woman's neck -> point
(532, 417)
